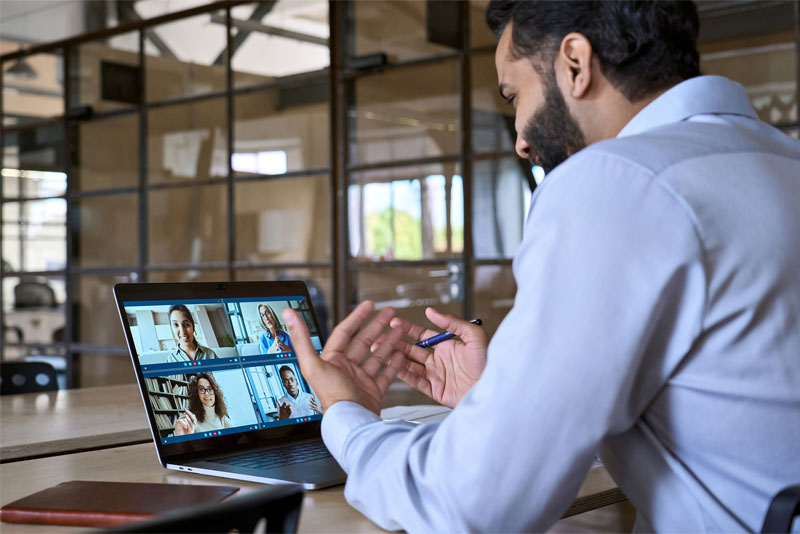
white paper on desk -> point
(421, 413)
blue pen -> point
(444, 336)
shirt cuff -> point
(337, 423)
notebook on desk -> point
(86, 503)
(220, 380)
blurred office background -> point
(358, 145)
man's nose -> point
(522, 147)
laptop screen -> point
(215, 367)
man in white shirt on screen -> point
(657, 308)
(296, 402)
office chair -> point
(277, 506)
(785, 506)
(27, 377)
(34, 294)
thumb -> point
(464, 329)
(307, 356)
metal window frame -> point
(344, 78)
(73, 273)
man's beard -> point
(552, 133)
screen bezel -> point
(212, 290)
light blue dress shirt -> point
(656, 322)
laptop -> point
(220, 381)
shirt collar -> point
(179, 351)
(696, 96)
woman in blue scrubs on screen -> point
(273, 340)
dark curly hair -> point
(644, 46)
(194, 399)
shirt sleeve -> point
(264, 343)
(610, 294)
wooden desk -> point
(36, 425)
(323, 510)
(102, 434)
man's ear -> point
(575, 56)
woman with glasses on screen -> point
(274, 339)
(182, 325)
(207, 410)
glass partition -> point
(273, 134)
(400, 28)
(755, 44)
(33, 315)
(285, 220)
(479, 33)
(99, 322)
(33, 88)
(501, 196)
(173, 69)
(494, 294)
(188, 141)
(108, 231)
(33, 161)
(406, 113)
(412, 289)
(188, 225)
(106, 75)
(406, 213)
(34, 235)
(294, 32)
(190, 275)
(95, 167)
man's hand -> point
(449, 371)
(285, 411)
(347, 369)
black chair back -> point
(273, 509)
(34, 294)
(783, 509)
(27, 377)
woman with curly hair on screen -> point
(207, 410)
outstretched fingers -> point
(413, 330)
(394, 365)
(417, 333)
(360, 343)
(380, 354)
(345, 331)
(413, 374)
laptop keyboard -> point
(294, 454)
